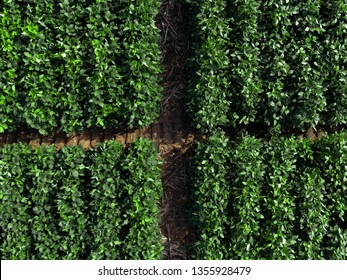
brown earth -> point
(176, 143)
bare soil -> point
(177, 137)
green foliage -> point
(72, 209)
(36, 79)
(15, 208)
(279, 235)
(76, 204)
(142, 60)
(313, 213)
(143, 187)
(247, 172)
(278, 199)
(244, 69)
(335, 59)
(106, 81)
(336, 244)
(208, 88)
(10, 105)
(280, 64)
(74, 64)
(211, 194)
(331, 161)
(306, 80)
(42, 187)
(69, 65)
(107, 201)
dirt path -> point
(176, 144)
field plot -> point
(278, 199)
(80, 204)
(68, 65)
(173, 129)
(102, 81)
(277, 64)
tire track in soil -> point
(172, 132)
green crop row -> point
(279, 64)
(278, 199)
(209, 84)
(74, 64)
(77, 204)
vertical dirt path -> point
(176, 142)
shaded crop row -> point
(73, 64)
(77, 204)
(278, 199)
(279, 64)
